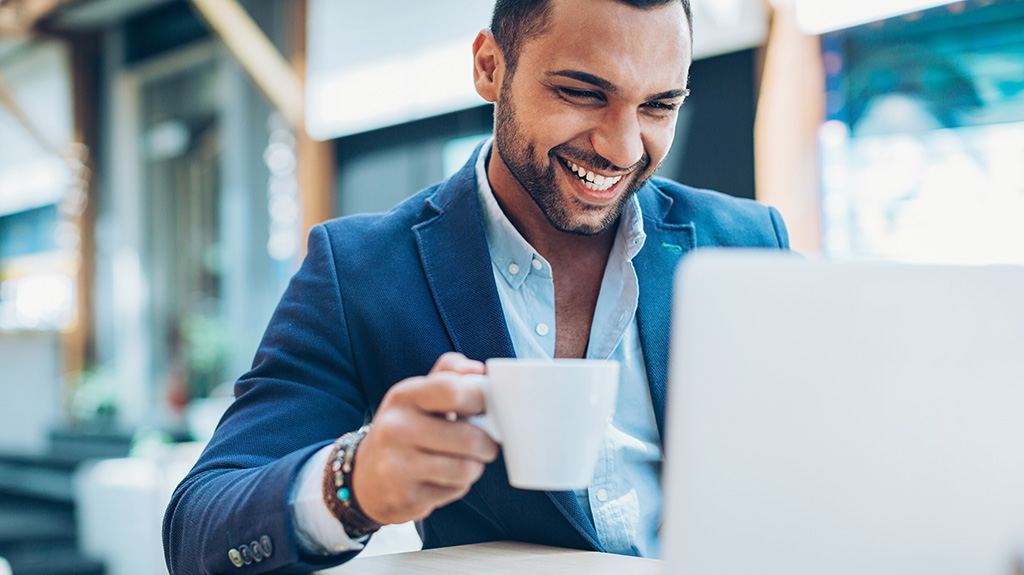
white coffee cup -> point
(550, 416)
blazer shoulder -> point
(374, 233)
(689, 203)
(718, 218)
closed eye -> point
(573, 95)
(663, 105)
(657, 108)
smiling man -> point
(553, 241)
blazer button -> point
(257, 552)
(266, 546)
(246, 554)
(236, 558)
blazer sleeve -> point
(302, 392)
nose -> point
(619, 139)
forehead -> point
(646, 49)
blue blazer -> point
(378, 298)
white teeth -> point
(591, 180)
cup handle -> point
(485, 420)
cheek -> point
(554, 123)
(658, 140)
(565, 126)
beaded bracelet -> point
(337, 486)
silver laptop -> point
(844, 418)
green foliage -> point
(94, 399)
(205, 352)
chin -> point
(586, 220)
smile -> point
(593, 181)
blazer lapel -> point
(467, 299)
(569, 506)
(655, 266)
(457, 263)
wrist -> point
(338, 491)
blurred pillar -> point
(78, 342)
(284, 86)
(76, 206)
(791, 107)
(316, 171)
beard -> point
(539, 177)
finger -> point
(454, 439)
(412, 428)
(443, 471)
(458, 363)
(444, 392)
(438, 496)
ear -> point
(488, 66)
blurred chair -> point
(121, 504)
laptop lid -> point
(844, 418)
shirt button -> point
(513, 269)
(537, 265)
(602, 495)
(542, 329)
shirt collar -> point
(631, 228)
(514, 257)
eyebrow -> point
(609, 87)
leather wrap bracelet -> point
(337, 486)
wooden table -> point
(503, 557)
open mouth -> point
(592, 181)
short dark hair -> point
(516, 21)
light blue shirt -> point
(624, 497)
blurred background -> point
(161, 162)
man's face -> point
(590, 111)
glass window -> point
(923, 152)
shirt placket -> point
(539, 293)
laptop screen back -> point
(844, 418)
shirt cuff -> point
(317, 530)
